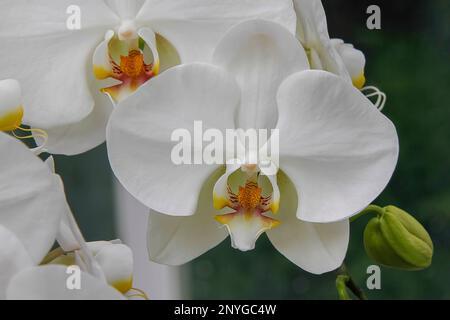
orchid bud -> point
(395, 239)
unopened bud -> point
(395, 239)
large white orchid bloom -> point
(125, 41)
(337, 152)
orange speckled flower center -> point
(249, 197)
(133, 64)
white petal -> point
(261, 55)
(31, 198)
(13, 258)
(101, 59)
(245, 230)
(177, 240)
(149, 38)
(312, 31)
(275, 201)
(48, 59)
(354, 61)
(65, 237)
(10, 96)
(195, 27)
(86, 134)
(24, 18)
(339, 151)
(50, 283)
(141, 128)
(116, 262)
(11, 110)
(316, 248)
(125, 9)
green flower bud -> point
(395, 239)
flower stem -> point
(370, 209)
(344, 281)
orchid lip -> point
(248, 221)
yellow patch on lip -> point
(156, 66)
(359, 81)
(11, 120)
(275, 206)
(219, 202)
(101, 73)
(123, 285)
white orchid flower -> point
(336, 154)
(324, 53)
(125, 42)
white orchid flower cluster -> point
(136, 71)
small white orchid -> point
(125, 41)
(332, 55)
(337, 152)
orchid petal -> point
(141, 128)
(354, 60)
(261, 55)
(77, 138)
(178, 240)
(13, 258)
(316, 248)
(194, 27)
(50, 283)
(245, 229)
(125, 9)
(116, 262)
(339, 151)
(275, 198)
(32, 199)
(11, 110)
(149, 38)
(101, 59)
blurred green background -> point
(408, 59)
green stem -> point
(345, 281)
(370, 209)
(341, 286)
